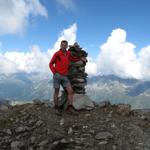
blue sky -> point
(37, 25)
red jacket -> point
(60, 62)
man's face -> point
(64, 46)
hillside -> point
(107, 127)
(27, 87)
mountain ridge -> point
(30, 86)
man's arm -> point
(73, 58)
(52, 62)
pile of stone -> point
(78, 80)
(77, 74)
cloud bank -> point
(12, 62)
(35, 60)
(117, 56)
(144, 60)
(14, 14)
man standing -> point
(59, 66)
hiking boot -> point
(58, 111)
(72, 111)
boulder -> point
(82, 102)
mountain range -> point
(30, 86)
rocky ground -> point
(106, 127)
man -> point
(59, 66)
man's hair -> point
(64, 41)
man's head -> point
(63, 45)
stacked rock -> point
(77, 74)
(78, 80)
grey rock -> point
(103, 104)
(70, 130)
(39, 123)
(103, 142)
(37, 102)
(123, 109)
(16, 145)
(103, 136)
(78, 80)
(77, 64)
(20, 129)
(55, 142)
(64, 141)
(80, 85)
(81, 101)
(4, 107)
(62, 121)
(7, 131)
(43, 143)
(32, 139)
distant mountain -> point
(27, 87)
(24, 86)
(119, 90)
(139, 88)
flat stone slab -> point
(82, 101)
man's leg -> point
(57, 109)
(56, 93)
(56, 84)
(66, 84)
(70, 108)
(70, 94)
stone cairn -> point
(77, 74)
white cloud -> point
(6, 66)
(68, 34)
(35, 60)
(117, 56)
(91, 67)
(14, 14)
(67, 4)
(36, 8)
(144, 59)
